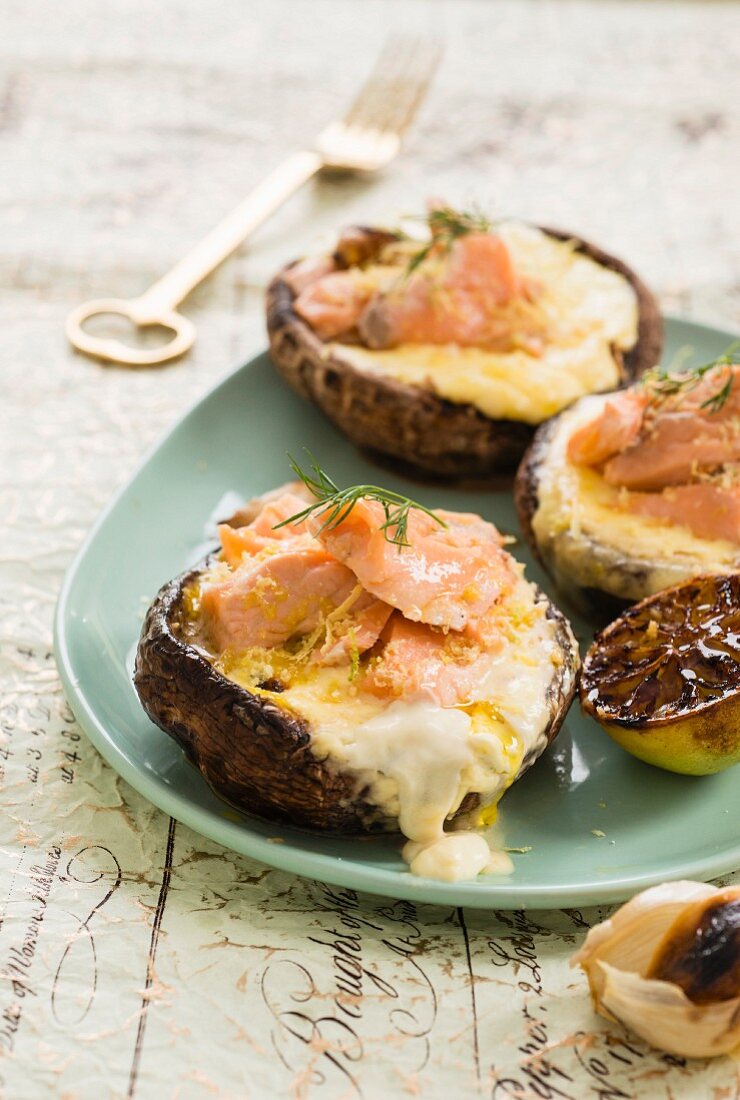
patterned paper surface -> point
(136, 959)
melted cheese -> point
(414, 759)
(430, 755)
(517, 680)
(456, 856)
(588, 537)
(587, 309)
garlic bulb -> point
(667, 965)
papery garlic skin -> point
(629, 937)
(616, 956)
(662, 1015)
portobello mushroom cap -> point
(597, 577)
(257, 756)
(428, 434)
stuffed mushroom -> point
(444, 355)
(630, 493)
(352, 662)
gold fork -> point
(367, 138)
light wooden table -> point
(156, 964)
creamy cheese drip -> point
(420, 760)
(454, 857)
(588, 537)
(587, 309)
(416, 760)
(428, 752)
(518, 678)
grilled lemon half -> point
(663, 679)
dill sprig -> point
(335, 504)
(446, 225)
(662, 382)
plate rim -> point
(478, 893)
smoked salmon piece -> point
(447, 576)
(249, 511)
(308, 271)
(356, 630)
(333, 304)
(675, 452)
(648, 444)
(262, 532)
(709, 510)
(419, 659)
(675, 447)
(266, 602)
(284, 583)
(455, 297)
(461, 306)
(617, 425)
(289, 581)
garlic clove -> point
(667, 965)
(661, 1014)
(629, 938)
(700, 952)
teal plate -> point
(598, 825)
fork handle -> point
(169, 291)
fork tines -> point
(394, 90)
